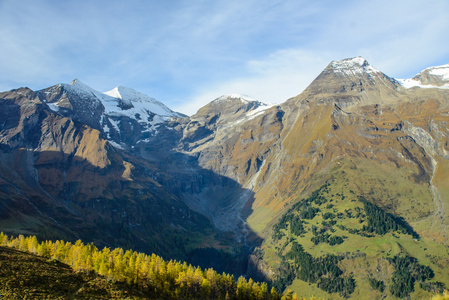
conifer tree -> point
(33, 244)
(3, 239)
(23, 243)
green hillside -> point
(336, 244)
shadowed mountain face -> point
(319, 170)
(59, 178)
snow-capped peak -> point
(122, 113)
(353, 66)
(432, 77)
(80, 87)
(255, 107)
(126, 93)
(440, 71)
(115, 92)
(224, 98)
(350, 62)
(136, 102)
(91, 97)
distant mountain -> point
(122, 114)
(331, 192)
(352, 81)
(429, 78)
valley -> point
(336, 192)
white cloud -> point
(399, 38)
(281, 75)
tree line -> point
(152, 274)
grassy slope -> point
(26, 275)
(342, 193)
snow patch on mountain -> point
(126, 101)
(53, 106)
(410, 83)
(259, 110)
(116, 145)
(83, 91)
(441, 72)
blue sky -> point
(187, 53)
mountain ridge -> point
(256, 177)
(348, 67)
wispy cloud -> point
(399, 37)
(400, 41)
(272, 79)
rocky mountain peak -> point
(76, 81)
(232, 98)
(122, 114)
(352, 66)
(349, 81)
(352, 70)
(76, 100)
(83, 90)
(230, 105)
(213, 122)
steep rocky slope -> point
(341, 116)
(60, 178)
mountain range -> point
(349, 179)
